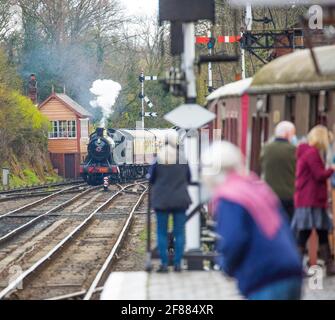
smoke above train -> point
(106, 92)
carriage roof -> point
(296, 72)
(237, 88)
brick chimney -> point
(32, 88)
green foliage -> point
(128, 106)
(15, 181)
(28, 177)
(8, 75)
(31, 176)
(23, 134)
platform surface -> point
(195, 285)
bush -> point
(23, 131)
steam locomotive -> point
(121, 154)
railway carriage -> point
(230, 103)
(288, 88)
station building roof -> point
(70, 103)
(233, 89)
(296, 72)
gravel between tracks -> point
(74, 267)
(15, 203)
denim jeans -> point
(287, 289)
(179, 218)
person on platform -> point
(278, 164)
(311, 194)
(169, 179)
(255, 243)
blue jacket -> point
(247, 255)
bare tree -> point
(7, 10)
(71, 20)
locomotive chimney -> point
(32, 88)
(100, 132)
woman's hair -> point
(319, 137)
(222, 157)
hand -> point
(332, 167)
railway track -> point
(39, 187)
(16, 205)
(76, 250)
(26, 216)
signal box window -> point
(63, 129)
(84, 128)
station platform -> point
(194, 285)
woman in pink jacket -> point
(311, 196)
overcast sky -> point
(141, 7)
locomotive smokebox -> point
(100, 132)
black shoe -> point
(177, 268)
(162, 269)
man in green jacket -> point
(278, 164)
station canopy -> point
(296, 71)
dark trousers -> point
(179, 218)
(288, 205)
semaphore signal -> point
(210, 41)
(148, 102)
(144, 99)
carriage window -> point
(290, 108)
(313, 110)
(223, 132)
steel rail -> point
(12, 285)
(115, 248)
(42, 186)
(16, 196)
(39, 201)
(59, 206)
(74, 294)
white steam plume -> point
(106, 92)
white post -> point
(210, 72)
(189, 57)
(243, 61)
(5, 177)
(191, 144)
(248, 23)
(142, 99)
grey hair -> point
(283, 128)
(222, 157)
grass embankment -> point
(23, 173)
(23, 133)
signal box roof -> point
(70, 103)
